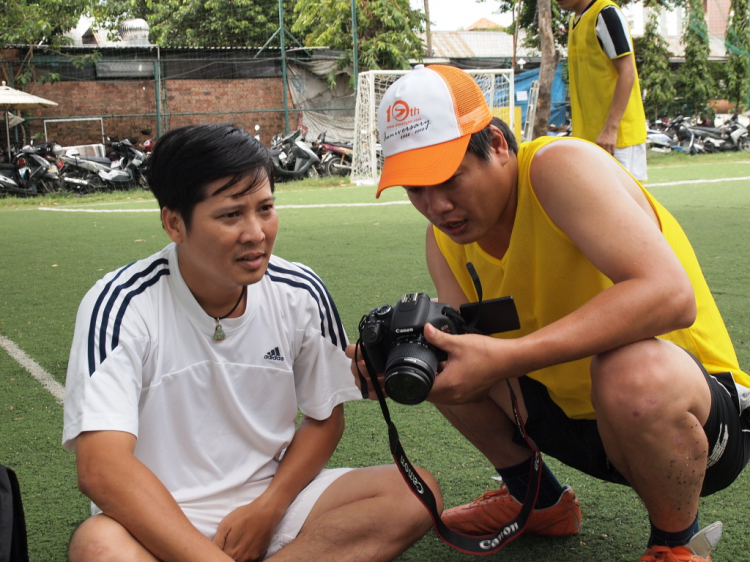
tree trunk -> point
(428, 32)
(547, 70)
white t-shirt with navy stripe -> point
(208, 415)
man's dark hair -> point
(186, 160)
(479, 144)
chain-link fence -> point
(142, 92)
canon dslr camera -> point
(393, 339)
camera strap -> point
(480, 545)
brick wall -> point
(129, 106)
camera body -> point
(393, 339)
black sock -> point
(517, 480)
(663, 538)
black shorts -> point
(577, 443)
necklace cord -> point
(239, 300)
(219, 334)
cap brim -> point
(430, 165)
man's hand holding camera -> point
(358, 367)
(475, 364)
(467, 375)
(407, 345)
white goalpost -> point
(496, 84)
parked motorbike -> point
(658, 140)
(292, 157)
(33, 170)
(682, 138)
(10, 182)
(128, 158)
(732, 135)
(335, 157)
(120, 169)
(147, 146)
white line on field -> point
(647, 184)
(68, 210)
(694, 164)
(327, 205)
(44, 378)
(318, 206)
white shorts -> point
(207, 513)
(633, 159)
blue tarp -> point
(522, 85)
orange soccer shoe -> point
(496, 508)
(697, 550)
(672, 554)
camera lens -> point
(410, 372)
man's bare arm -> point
(625, 66)
(601, 208)
(128, 492)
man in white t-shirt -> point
(186, 375)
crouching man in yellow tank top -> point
(623, 366)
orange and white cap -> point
(426, 119)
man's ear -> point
(499, 145)
(173, 224)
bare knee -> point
(429, 479)
(101, 539)
(631, 380)
(415, 520)
(417, 514)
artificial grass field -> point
(368, 256)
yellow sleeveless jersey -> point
(549, 277)
(592, 85)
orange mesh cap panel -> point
(472, 112)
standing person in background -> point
(605, 94)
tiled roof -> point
(466, 44)
(483, 23)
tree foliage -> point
(528, 20)
(695, 81)
(738, 50)
(386, 31)
(40, 22)
(657, 80)
(37, 23)
(197, 23)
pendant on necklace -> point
(219, 333)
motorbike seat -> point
(709, 130)
(99, 159)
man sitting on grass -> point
(622, 366)
(186, 374)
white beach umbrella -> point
(16, 99)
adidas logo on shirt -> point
(274, 355)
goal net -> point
(496, 84)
